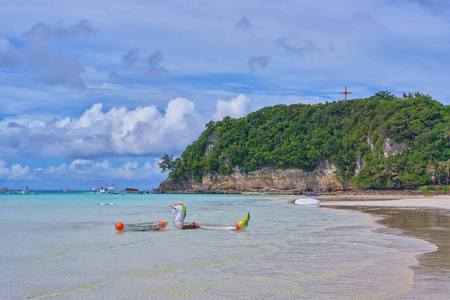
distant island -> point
(381, 142)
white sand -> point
(442, 202)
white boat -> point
(25, 190)
(106, 190)
(111, 190)
(308, 202)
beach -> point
(440, 202)
(426, 218)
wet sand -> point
(427, 218)
(441, 202)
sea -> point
(57, 245)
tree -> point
(385, 95)
(445, 166)
(434, 170)
(210, 124)
(377, 174)
(166, 163)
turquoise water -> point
(65, 246)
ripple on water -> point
(60, 292)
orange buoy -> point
(162, 224)
(119, 226)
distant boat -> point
(112, 190)
(106, 190)
(25, 190)
(312, 195)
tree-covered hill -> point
(345, 133)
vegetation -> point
(301, 135)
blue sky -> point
(95, 92)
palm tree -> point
(389, 168)
(434, 169)
(385, 172)
(377, 172)
(445, 166)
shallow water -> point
(432, 274)
(65, 246)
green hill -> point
(378, 142)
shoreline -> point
(297, 192)
(439, 201)
(425, 218)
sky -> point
(95, 92)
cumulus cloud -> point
(48, 66)
(90, 169)
(235, 108)
(258, 62)
(150, 66)
(15, 172)
(80, 172)
(144, 131)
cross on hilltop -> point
(346, 93)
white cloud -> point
(91, 170)
(78, 165)
(15, 172)
(62, 169)
(80, 172)
(143, 131)
(235, 108)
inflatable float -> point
(141, 226)
(181, 215)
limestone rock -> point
(266, 179)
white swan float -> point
(181, 215)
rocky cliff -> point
(291, 180)
(272, 180)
